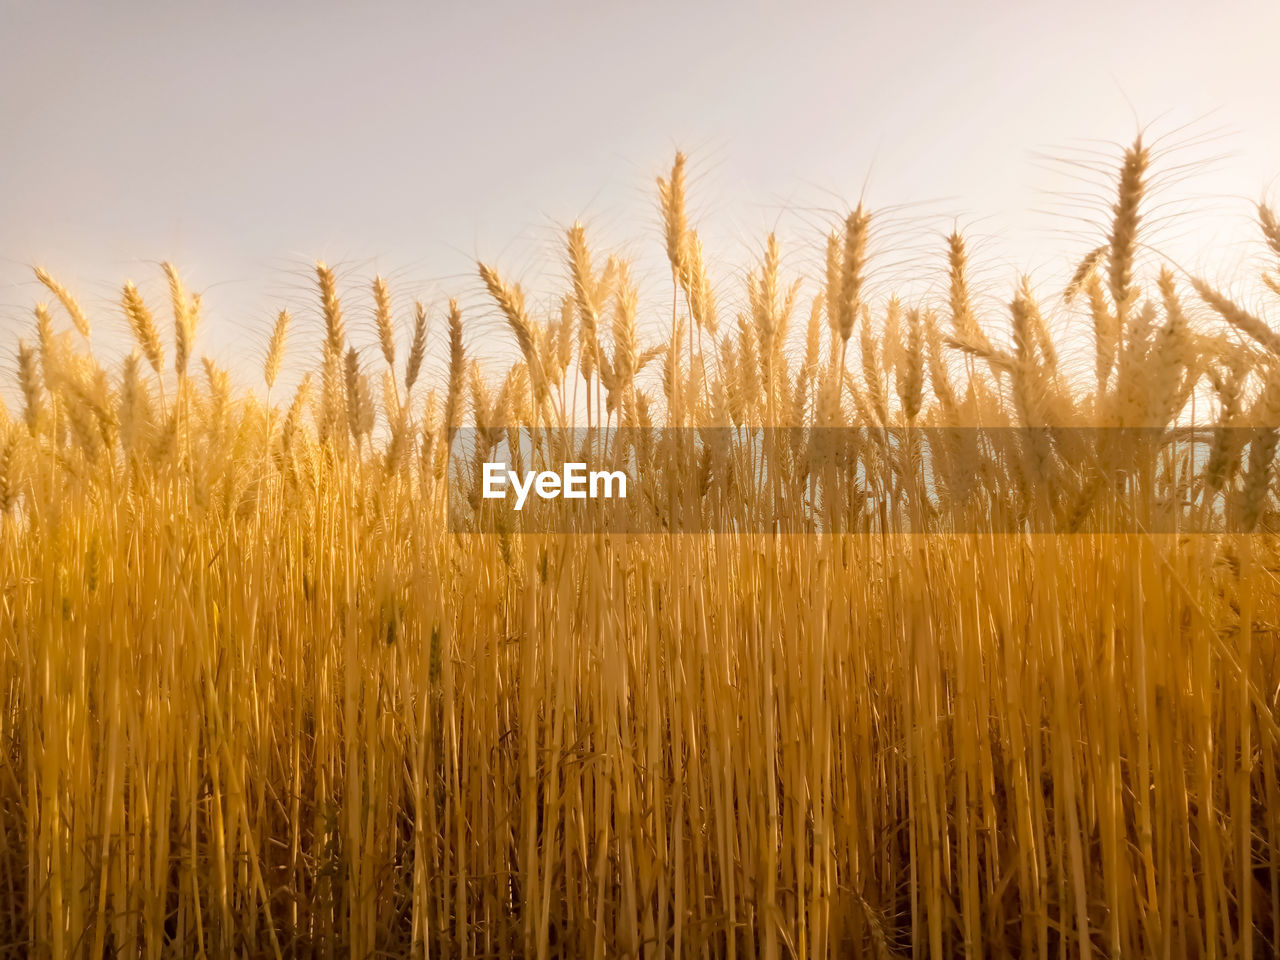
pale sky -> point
(244, 140)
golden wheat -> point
(940, 650)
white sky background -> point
(244, 140)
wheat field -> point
(996, 677)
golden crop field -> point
(958, 640)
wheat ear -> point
(143, 326)
(417, 347)
(382, 317)
(65, 298)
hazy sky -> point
(242, 140)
